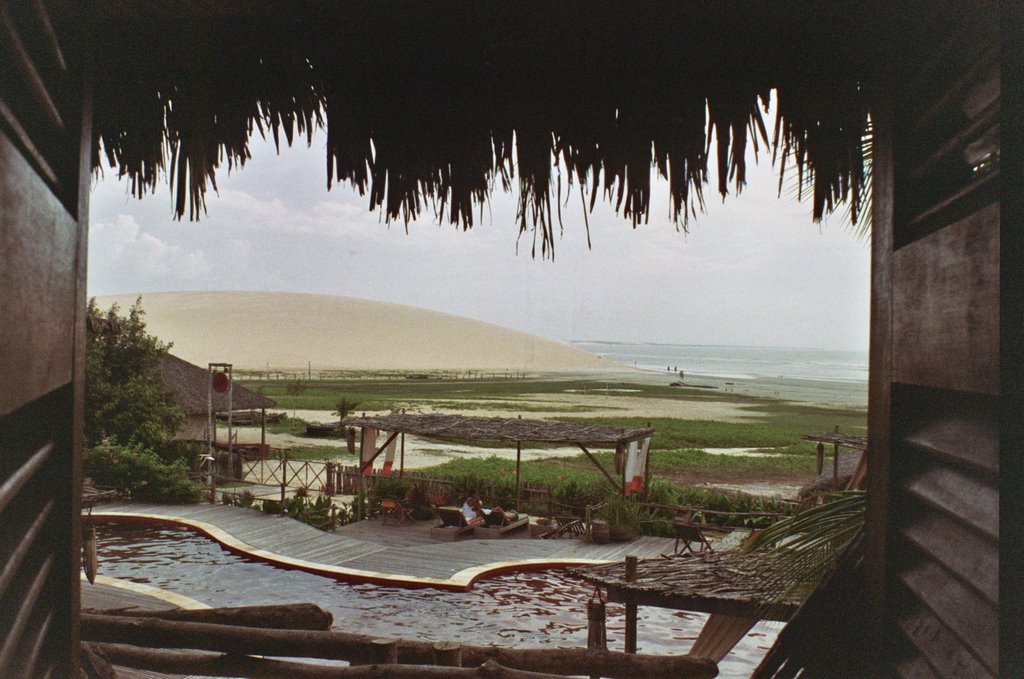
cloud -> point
(121, 250)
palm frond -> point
(805, 546)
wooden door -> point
(43, 214)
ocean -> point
(736, 362)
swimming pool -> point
(522, 609)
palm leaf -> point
(803, 548)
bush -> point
(141, 473)
(624, 517)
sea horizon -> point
(734, 361)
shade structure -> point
(429, 106)
(501, 429)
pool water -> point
(524, 609)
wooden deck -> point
(368, 551)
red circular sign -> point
(220, 382)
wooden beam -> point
(152, 633)
(678, 602)
(630, 641)
(611, 479)
(284, 616)
(209, 664)
(720, 635)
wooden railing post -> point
(447, 654)
(631, 563)
(284, 476)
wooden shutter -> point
(43, 210)
(935, 411)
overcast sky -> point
(754, 271)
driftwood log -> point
(287, 616)
(362, 649)
(215, 664)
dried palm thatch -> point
(500, 429)
(190, 385)
(726, 582)
(430, 105)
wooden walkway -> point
(368, 551)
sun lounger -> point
(452, 524)
(394, 511)
(688, 532)
(499, 530)
(566, 525)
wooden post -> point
(401, 460)
(447, 654)
(519, 453)
(647, 469)
(386, 651)
(597, 629)
(820, 459)
(263, 431)
(284, 476)
(835, 462)
(631, 562)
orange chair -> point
(393, 510)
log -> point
(287, 616)
(215, 664)
(156, 633)
(94, 665)
(447, 654)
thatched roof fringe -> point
(500, 429)
(436, 118)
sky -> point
(753, 270)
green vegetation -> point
(124, 400)
(130, 416)
(141, 473)
(387, 394)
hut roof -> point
(501, 429)
(429, 105)
(189, 383)
(726, 582)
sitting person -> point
(475, 512)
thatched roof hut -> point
(190, 385)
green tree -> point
(125, 399)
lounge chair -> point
(453, 524)
(498, 529)
(689, 532)
(566, 525)
(395, 511)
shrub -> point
(624, 517)
(141, 473)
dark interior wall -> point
(44, 171)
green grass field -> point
(675, 450)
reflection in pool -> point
(524, 609)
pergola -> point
(729, 585)
(463, 428)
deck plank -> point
(405, 550)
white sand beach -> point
(284, 331)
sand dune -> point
(292, 330)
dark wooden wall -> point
(935, 395)
(44, 173)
